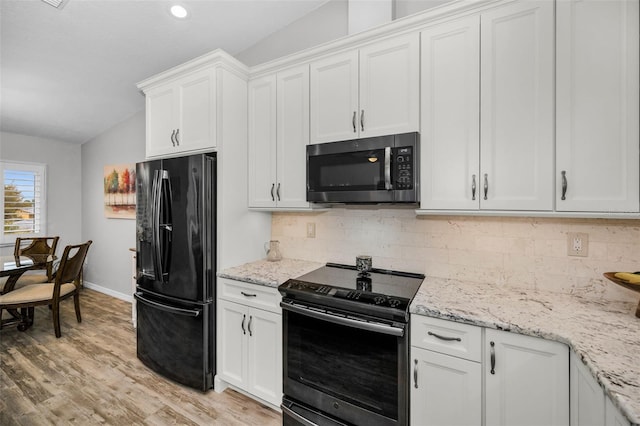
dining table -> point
(13, 267)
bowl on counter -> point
(611, 276)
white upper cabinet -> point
(262, 142)
(372, 91)
(597, 116)
(334, 98)
(487, 111)
(389, 86)
(292, 136)
(450, 101)
(180, 115)
(517, 104)
(278, 136)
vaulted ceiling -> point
(69, 74)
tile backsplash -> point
(529, 253)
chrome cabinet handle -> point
(173, 135)
(473, 187)
(486, 185)
(448, 339)
(278, 191)
(249, 326)
(415, 373)
(493, 357)
(273, 185)
(248, 294)
(177, 140)
(362, 120)
(564, 185)
(353, 121)
(244, 317)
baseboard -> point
(108, 291)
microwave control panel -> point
(403, 168)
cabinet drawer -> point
(447, 337)
(254, 295)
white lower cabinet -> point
(587, 397)
(467, 375)
(249, 340)
(446, 387)
(526, 380)
(613, 417)
(589, 404)
(446, 390)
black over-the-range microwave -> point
(383, 169)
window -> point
(23, 201)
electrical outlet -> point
(577, 244)
(311, 230)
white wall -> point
(327, 23)
(409, 7)
(109, 262)
(64, 177)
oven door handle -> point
(349, 322)
(297, 417)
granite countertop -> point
(270, 274)
(604, 334)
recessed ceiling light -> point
(179, 11)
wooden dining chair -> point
(37, 245)
(65, 285)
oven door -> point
(353, 370)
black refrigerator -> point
(176, 258)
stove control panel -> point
(361, 296)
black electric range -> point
(380, 293)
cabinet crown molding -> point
(218, 58)
(394, 28)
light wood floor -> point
(91, 375)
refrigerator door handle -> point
(155, 225)
(164, 223)
(161, 243)
(172, 309)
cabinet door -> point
(265, 355)
(196, 111)
(262, 142)
(160, 121)
(517, 104)
(587, 397)
(445, 390)
(389, 86)
(450, 117)
(526, 380)
(231, 337)
(334, 98)
(613, 415)
(597, 106)
(292, 137)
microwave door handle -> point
(387, 169)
